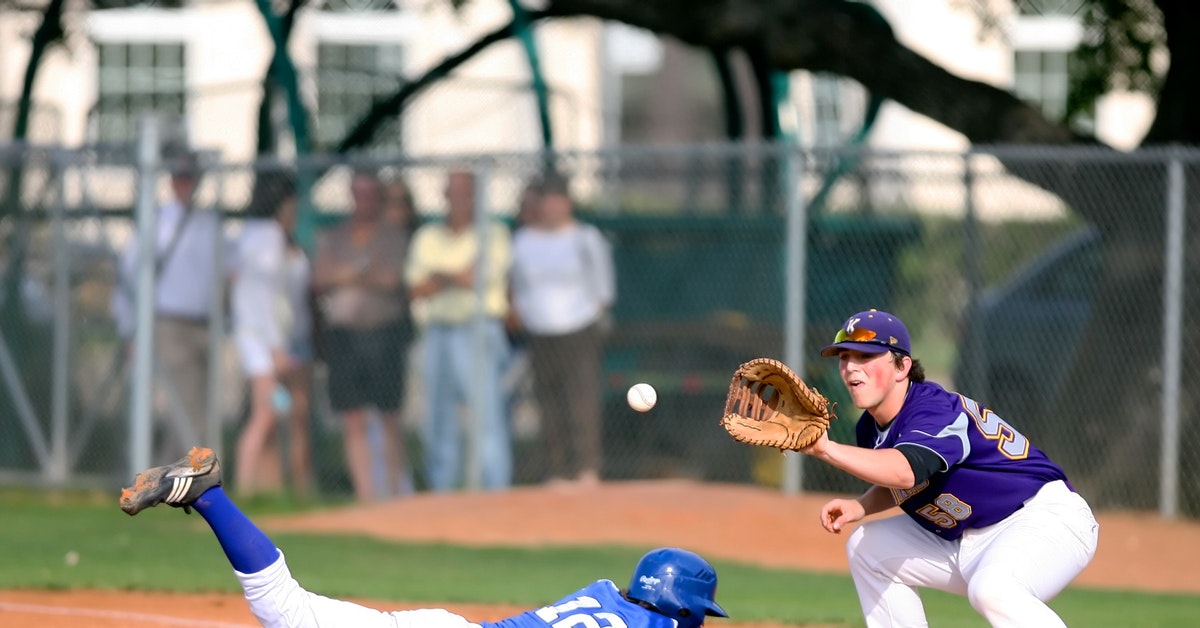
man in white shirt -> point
(187, 275)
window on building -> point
(1043, 45)
(1050, 7)
(106, 5)
(357, 6)
(350, 78)
(134, 78)
(828, 114)
(1042, 77)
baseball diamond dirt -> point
(1138, 551)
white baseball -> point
(641, 397)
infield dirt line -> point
(122, 616)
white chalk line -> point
(123, 616)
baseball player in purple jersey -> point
(670, 587)
(986, 513)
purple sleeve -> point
(942, 432)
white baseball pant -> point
(1008, 570)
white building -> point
(1026, 48)
(203, 62)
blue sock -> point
(248, 548)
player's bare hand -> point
(819, 447)
(837, 513)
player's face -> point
(871, 378)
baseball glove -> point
(769, 405)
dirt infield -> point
(1137, 551)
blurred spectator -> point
(358, 275)
(187, 277)
(399, 208)
(527, 205)
(273, 335)
(563, 286)
(517, 379)
(526, 214)
(441, 273)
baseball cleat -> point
(177, 484)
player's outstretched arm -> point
(882, 467)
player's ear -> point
(903, 365)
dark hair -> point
(551, 182)
(270, 188)
(916, 373)
(183, 164)
(407, 196)
(361, 171)
(413, 219)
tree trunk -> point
(846, 38)
(1107, 418)
(48, 32)
(1115, 385)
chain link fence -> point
(1044, 283)
(43, 123)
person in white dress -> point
(563, 286)
(273, 336)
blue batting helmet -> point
(678, 584)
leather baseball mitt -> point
(769, 405)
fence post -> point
(977, 376)
(60, 400)
(481, 349)
(142, 382)
(795, 276)
(1172, 335)
(216, 316)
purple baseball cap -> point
(871, 331)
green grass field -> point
(165, 550)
